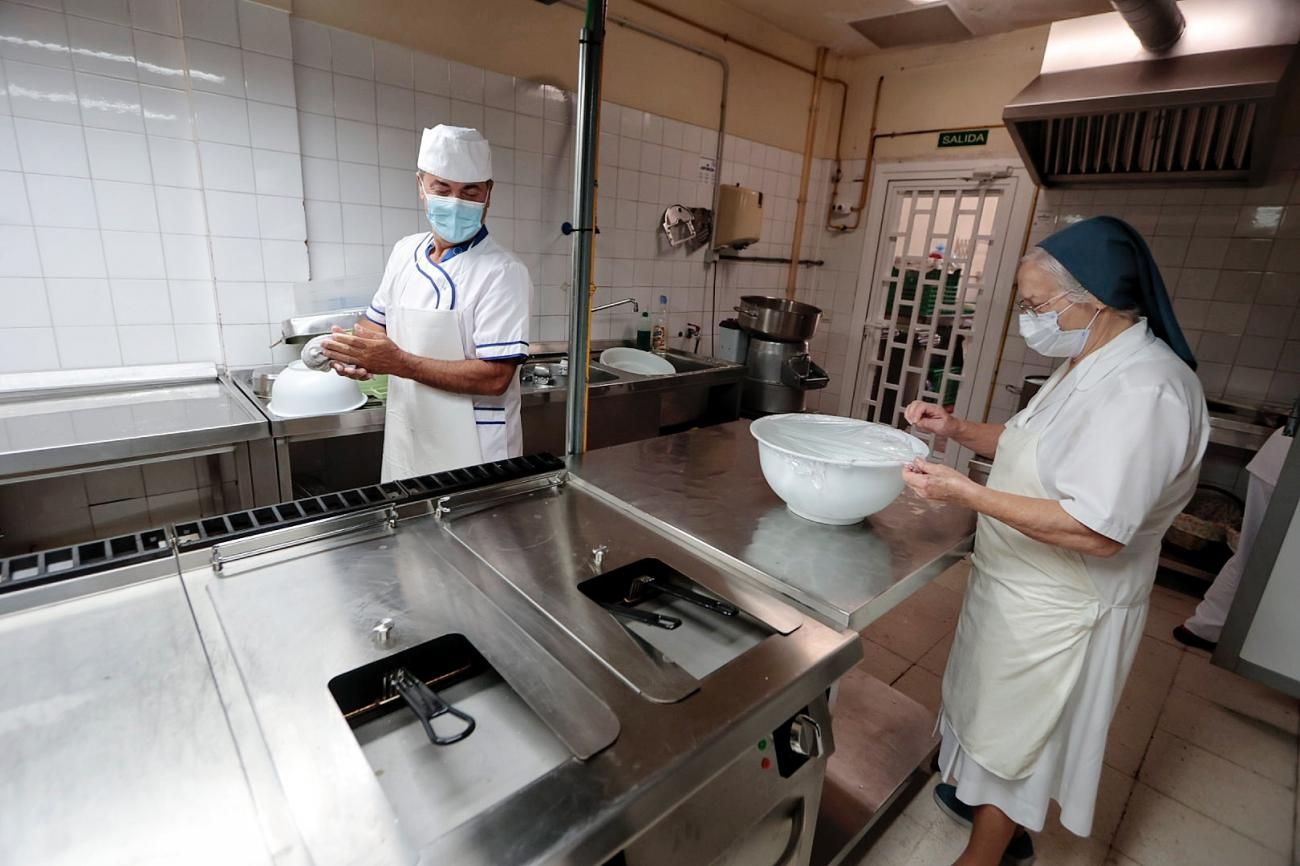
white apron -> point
(426, 430)
(1023, 635)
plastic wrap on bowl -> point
(831, 469)
(838, 440)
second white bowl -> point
(299, 392)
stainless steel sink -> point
(626, 407)
(547, 375)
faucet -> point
(636, 308)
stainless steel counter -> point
(188, 709)
(117, 747)
(706, 488)
(62, 421)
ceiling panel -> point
(831, 22)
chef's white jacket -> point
(490, 291)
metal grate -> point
(47, 566)
(1195, 142)
(63, 563)
(228, 527)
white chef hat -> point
(455, 153)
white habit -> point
(1046, 636)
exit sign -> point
(969, 138)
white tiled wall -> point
(170, 168)
(1231, 261)
(362, 105)
(151, 183)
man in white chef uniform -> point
(449, 323)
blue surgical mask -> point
(455, 220)
(1044, 335)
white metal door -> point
(932, 305)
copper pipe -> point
(762, 52)
(866, 171)
(801, 203)
(861, 207)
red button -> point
(766, 763)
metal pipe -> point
(587, 143)
(722, 105)
(763, 52)
(801, 203)
(1158, 24)
(636, 306)
(866, 170)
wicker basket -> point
(1206, 519)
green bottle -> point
(643, 332)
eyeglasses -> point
(1023, 306)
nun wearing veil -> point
(1085, 481)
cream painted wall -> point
(768, 101)
(948, 86)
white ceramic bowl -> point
(636, 361)
(833, 470)
(299, 392)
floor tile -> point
(942, 845)
(894, 847)
(881, 663)
(922, 808)
(917, 624)
(1115, 858)
(1236, 797)
(1112, 798)
(923, 687)
(1154, 667)
(955, 578)
(1240, 739)
(1198, 676)
(1161, 623)
(1057, 846)
(1174, 602)
(1159, 831)
(1134, 722)
(936, 659)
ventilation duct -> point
(1107, 109)
(1157, 24)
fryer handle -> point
(427, 706)
(658, 620)
(721, 607)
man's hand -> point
(930, 418)
(360, 356)
(935, 482)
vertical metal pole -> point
(591, 45)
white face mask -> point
(1043, 334)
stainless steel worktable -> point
(57, 421)
(705, 487)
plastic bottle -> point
(659, 332)
(643, 332)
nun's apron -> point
(1024, 629)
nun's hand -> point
(935, 482)
(930, 418)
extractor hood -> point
(1107, 109)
